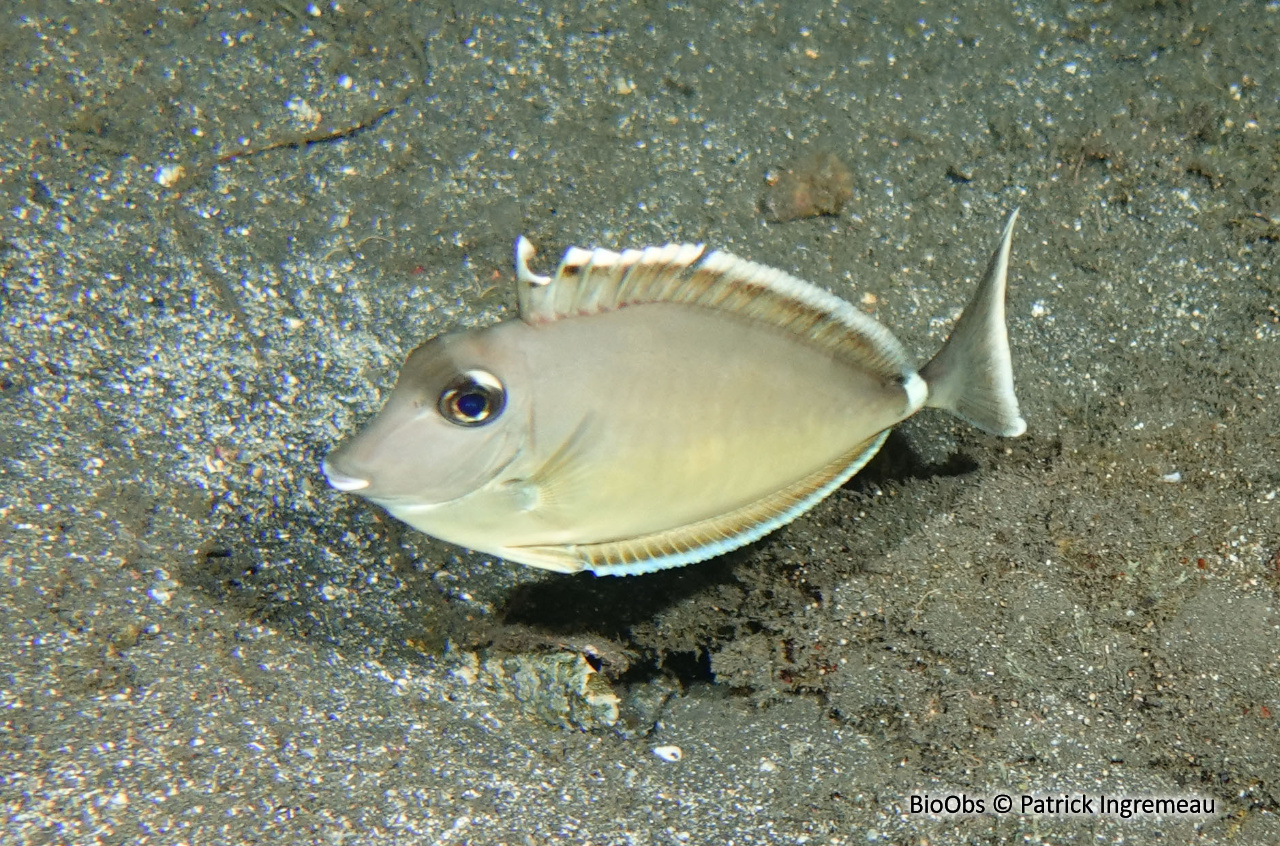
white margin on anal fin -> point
(972, 375)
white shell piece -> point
(670, 754)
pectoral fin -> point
(558, 482)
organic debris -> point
(814, 185)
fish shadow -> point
(608, 606)
(898, 462)
(614, 620)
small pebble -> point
(671, 754)
(170, 175)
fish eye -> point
(472, 399)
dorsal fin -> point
(594, 281)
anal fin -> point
(705, 538)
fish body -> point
(657, 407)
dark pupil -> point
(472, 404)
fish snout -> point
(341, 481)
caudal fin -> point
(972, 375)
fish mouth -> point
(341, 481)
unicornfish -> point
(655, 407)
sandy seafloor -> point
(225, 224)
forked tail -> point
(972, 375)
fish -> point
(656, 407)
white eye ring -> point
(474, 398)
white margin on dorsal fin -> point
(972, 375)
(594, 281)
(774, 296)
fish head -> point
(451, 425)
